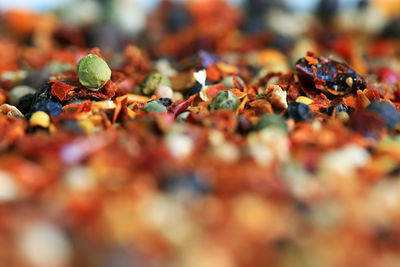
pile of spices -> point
(205, 140)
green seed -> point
(154, 106)
(271, 120)
(225, 100)
(154, 80)
(93, 72)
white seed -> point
(177, 96)
(8, 187)
(18, 92)
(343, 116)
(277, 97)
(344, 161)
(10, 111)
(163, 91)
(349, 82)
(44, 245)
(79, 178)
(180, 145)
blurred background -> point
(356, 31)
(289, 26)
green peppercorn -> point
(271, 120)
(152, 81)
(154, 106)
(93, 72)
(225, 100)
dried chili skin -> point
(329, 75)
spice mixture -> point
(202, 140)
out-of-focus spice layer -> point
(207, 145)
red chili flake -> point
(397, 95)
(184, 105)
(213, 90)
(320, 102)
(73, 109)
(293, 92)
(261, 106)
(125, 87)
(239, 94)
(311, 60)
(64, 91)
(351, 101)
(382, 48)
(363, 99)
(369, 124)
(60, 89)
(388, 75)
(213, 74)
(110, 89)
(223, 120)
(342, 46)
(96, 51)
(371, 94)
(237, 84)
(119, 107)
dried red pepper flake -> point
(239, 85)
(120, 105)
(60, 89)
(320, 103)
(213, 73)
(181, 107)
(388, 75)
(65, 92)
(367, 123)
(311, 60)
(213, 90)
(329, 76)
(96, 51)
(76, 109)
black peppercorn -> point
(299, 112)
(386, 111)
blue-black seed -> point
(37, 78)
(195, 88)
(178, 18)
(71, 126)
(25, 103)
(165, 101)
(386, 111)
(299, 112)
(341, 107)
(185, 181)
(50, 107)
